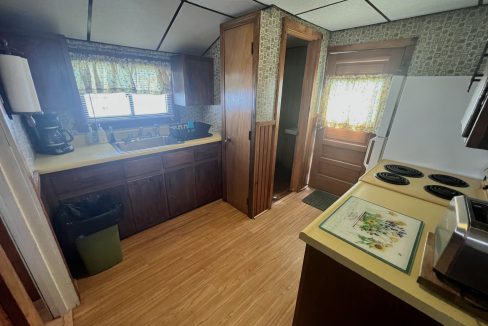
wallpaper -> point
(269, 52)
(19, 134)
(85, 46)
(449, 44)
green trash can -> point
(100, 250)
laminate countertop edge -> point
(104, 153)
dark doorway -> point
(294, 69)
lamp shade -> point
(18, 84)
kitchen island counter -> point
(395, 282)
(103, 153)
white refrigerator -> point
(377, 144)
(421, 125)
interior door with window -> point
(357, 86)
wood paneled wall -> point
(263, 166)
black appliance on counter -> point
(48, 136)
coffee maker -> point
(48, 135)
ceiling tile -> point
(398, 9)
(136, 23)
(348, 14)
(67, 17)
(230, 7)
(193, 30)
(296, 7)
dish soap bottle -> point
(102, 135)
(91, 136)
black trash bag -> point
(82, 217)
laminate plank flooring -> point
(211, 266)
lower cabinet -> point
(180, 186)
(208, 182)
(151, 188)
(127, 226)
(148, 199)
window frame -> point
(133, 119)
(116, 51)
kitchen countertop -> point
(102, 153)
(399, 284)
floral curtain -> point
(105, 74)
(355, 102)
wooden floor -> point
(212, 266)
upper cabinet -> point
(192, 80)
(51, 70)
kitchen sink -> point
(144, 143)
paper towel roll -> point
(17, 82)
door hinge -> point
(250, 134)
(252, 48)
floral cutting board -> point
(390, 236)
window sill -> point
(133, 121)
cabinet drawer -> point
(142, 166)
(177, 158)
(207, 152)
(89, 177)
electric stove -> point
(431, 185)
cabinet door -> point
(180, 187)
(126, 224)
(199, 80)
(51, 71)
(208, 182)
(192, 80)
(148, 201)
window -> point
(117, 105)
(355, 102)
(122, 87)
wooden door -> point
(338, 159)
(238, 76)
(148, 201)
(339, 154)
(180, 188)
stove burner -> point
(449, 180)
(442, 192)
(404, 171)
(392, 178)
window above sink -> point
(121, 90)
(117, 105)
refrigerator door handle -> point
(369, 150)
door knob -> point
(227, 140)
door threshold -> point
(281, 195)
